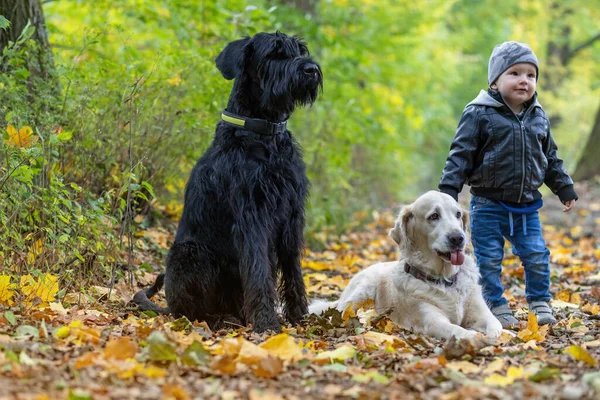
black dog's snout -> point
(456, 239)
(310, 69)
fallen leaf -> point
(342, 353)
(580, 354)
(464, 366)
(176, 392)
(268, 367)
(283, 346)
(533, 331)
(377, 339)
(121, 348)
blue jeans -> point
(490, 224)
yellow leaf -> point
(225, 364)
(512, 374)
(283, 346)
(154, 372)
(498, 380)
(495, 366)
(366, 304)
(466, 367)
(317, 265)
(342, 353)
(588, 308)
(268, 367)
(389, 326)
(121, 348)
(580, 354)
(6, 290)
(62, 332)
(86, 360)
(175, 81)
(568, 297)
(22, 138)
(348, 313)
(58, 308)
(377, 339)
(533, 331)
(563, 295)
(80, 334)
(176, 392)
(44, 288)
(250, 353)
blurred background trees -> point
(107, 137)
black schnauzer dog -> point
(243, 217)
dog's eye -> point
(434, 217)
(458, 214)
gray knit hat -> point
(508, 54)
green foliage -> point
(48, 223)
(4, 23)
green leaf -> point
(78, 255)
(26, 33)
(181, 324)
(160, 348)
(195, 354)
(79, 394)
(26, 332)
(370, 376)
(4, 23)
(65, 136)
(544, 374)
(10, 317)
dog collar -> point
(260, 126)
(417, 273)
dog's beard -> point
(287, 86)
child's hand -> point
(569, 204)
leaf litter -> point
(104, 349)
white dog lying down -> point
(433, 288)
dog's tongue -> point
(457, 258)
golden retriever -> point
(433, 288)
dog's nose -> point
(311, 69)
(456, 239)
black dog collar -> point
(417, 273)
(260, 126)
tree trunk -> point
(19, 12)
(588, 165)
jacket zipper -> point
(522, 149)
(522, 158)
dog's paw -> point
(465, 334)
(271, 325)
(295, 315)
(276, 328)
(494, 329)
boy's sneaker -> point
(543, 312)
(504, 314)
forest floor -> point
(100, 347)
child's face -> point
(516, 84)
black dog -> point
(243, 216)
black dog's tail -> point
(142, 298)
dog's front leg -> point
(433, 322)
(480, 317)
(292, 287)
(258, 283)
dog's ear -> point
(399, 231)
(465, 220)
(230, 61)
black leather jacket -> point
(502, 157)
